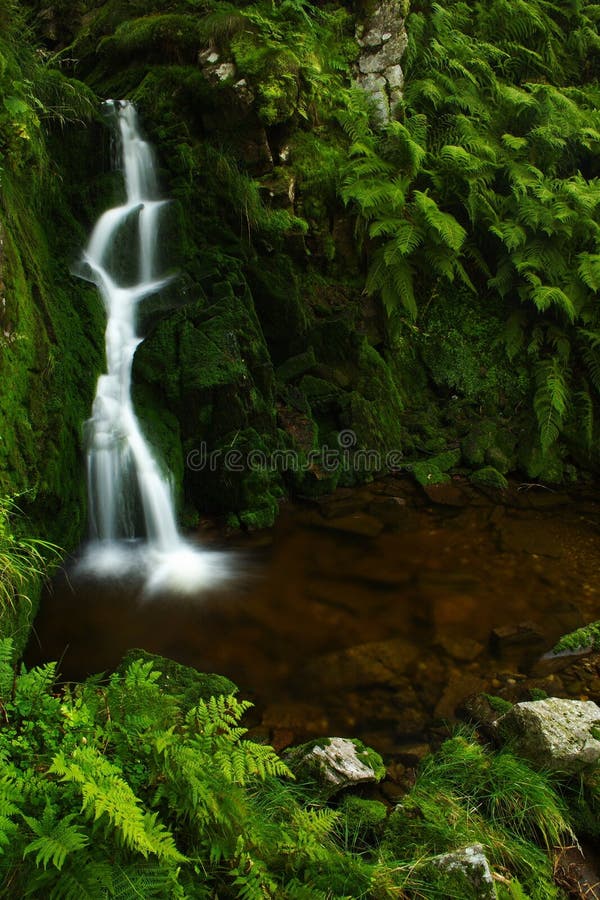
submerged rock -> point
(505, 636)
(335, 764)
(372, 663)
(560, 735)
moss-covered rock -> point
(586, 638)
(182, 681)
(434, 470)
(335, 764)
(489, 477)
(362, 820)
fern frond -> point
(7, 668)
(589, 270)
(56, 838)
(444, 224)
(545, 296)
(551, 400)
(104, 792)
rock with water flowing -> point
(130, 496)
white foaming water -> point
(122, 472)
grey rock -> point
(224, 71)
(376, 87)
(395, 77)
(389, 55)
(244, 92)
(556, 734)
(470, 865)
(372, 38)
(208, 57)
(382, 39)
(335, 764)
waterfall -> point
(123, 475)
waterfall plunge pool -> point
(370, 613)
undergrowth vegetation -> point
(145, 784)
(488, 181)
(22, 559)
(475, 206)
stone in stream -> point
(560, 735)
(505, 636)
(483, 710)
(461, 649)
(372, 663)
(334, 764)
(359, 524)
(524, 537)
(448, 494)
(454, 693)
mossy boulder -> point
(555, 734)
(583, 639)
(434, 470)
(542, 466)
(362, 820)
(182, 681)
(335, 764)
(490, 478)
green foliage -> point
(22, 559)
(119, 789)
(588, 636)
(488, 180)
(489, 477)
(492, 798)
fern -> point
(104, 793)
(551, 400)
(545, 297)
(7, 669)
(589, 270)
(56, 838)
(445, 225)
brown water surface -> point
(369, 613)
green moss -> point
(260, 517)
(434, 470)
(588, 636)
(462, 348)
(182, 681)
(297, 366)
(547, 467)
(361, 822)
(168, 36)
(489, 477)
(427, 473)
(370, 758)
(498, 704)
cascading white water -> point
(122, 472)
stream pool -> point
(370, 613)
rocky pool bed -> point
(371, 612)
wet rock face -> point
(382, 39)
(560, 735)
